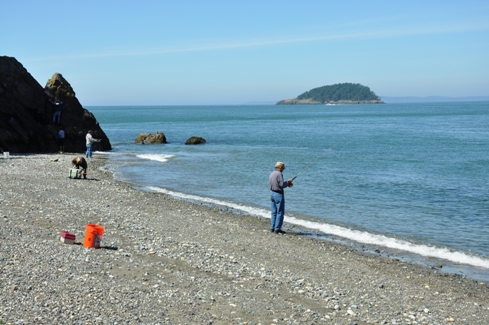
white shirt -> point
(90, 139)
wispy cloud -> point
(199, 46)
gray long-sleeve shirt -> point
(277, 183)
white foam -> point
(156, 157)
(244, 208)
(381, 240)
(350, 234)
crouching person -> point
(80, 162)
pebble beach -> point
(164, 260)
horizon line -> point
(266, 102)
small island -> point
(343, 93)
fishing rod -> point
(314, 161)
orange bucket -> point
(93, 236)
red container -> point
(67, 237)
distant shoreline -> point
(386, 100)
(295, 101)
(433, 99)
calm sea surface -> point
(409, 177)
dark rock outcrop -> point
(26, 113)
(195, 140)
(146, 138)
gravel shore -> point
(168, 261)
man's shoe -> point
(280, 232)
(271, 230)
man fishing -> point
(277, 197)
(90, 140)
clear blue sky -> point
(232, 52)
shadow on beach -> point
(111, 248)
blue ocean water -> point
(412, 177)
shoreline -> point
(441, 265)
(460, 263)
(169, 261)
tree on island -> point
(343, 91)
(338, 93)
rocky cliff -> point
(26, 113)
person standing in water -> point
(277, 186)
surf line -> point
(343, 232)
(314, 161)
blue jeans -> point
(278, 210)
(56, 116)
(89, 150)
